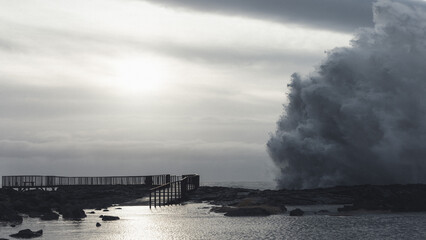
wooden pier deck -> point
(38, 181)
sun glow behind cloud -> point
(139, 76)
(130, 45)
(107, 74)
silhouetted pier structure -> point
(25, 182)
(174, 191)
(164, 189)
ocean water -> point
(195, 221)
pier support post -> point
(148, 180)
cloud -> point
(63, 109)
(51, 42)
(361, 117)
(337, 15)
(26, 101)
(62, 157)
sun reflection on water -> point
(194, 221)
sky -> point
(128, 87)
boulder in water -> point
(74, 213)
(297, 212)
(27, 233)
(246, 211)
(109, 218)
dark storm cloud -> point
(361, 117)
(339, 15)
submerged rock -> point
(246, 211)
(109, 218)
(98, 224)
(297, 212)
(241, 211)
(27, 233)
(322, 212)
(347, 208)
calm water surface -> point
(194, 221)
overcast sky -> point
(124, 87)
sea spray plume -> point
(360, 118)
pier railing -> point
(37, 181)
(174, 191)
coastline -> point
(353, 199)
(76, 204)
(196, 221)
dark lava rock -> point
(119, 208)
(73, 213)
(34, 214)
(322, 212)
(4, 239)
(105, 210)
(12, 225)
(109, 218)
(98, 224)
(9, 215)
(296, 212)
(220, 209)
(92, 212)
(27, 233)
(49, 216)
(346, 208)
(241, 212)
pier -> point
(164, 189)
(174, 191)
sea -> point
(195, 221)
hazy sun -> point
(139, 76)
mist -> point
(360, 117)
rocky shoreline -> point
(70, 202)
(246, 202)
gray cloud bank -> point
(361, 117)
(63, 110)
(339, 15)
(59, 156)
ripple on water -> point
(194, 221)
